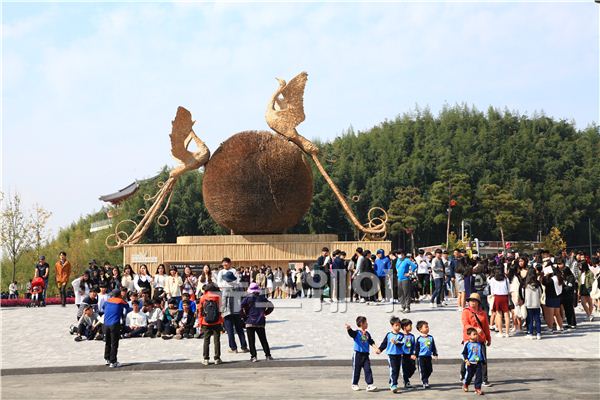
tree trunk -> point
(502, 238)
(412, 242)
(14, 269)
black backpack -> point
(210, 311)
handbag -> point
(521, 312)
(486, 290)
(595, 293)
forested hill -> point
(546, 172)
(547, 163)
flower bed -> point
(24, 302)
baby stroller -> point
(37, 288)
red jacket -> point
(205, 297)
(469, 321)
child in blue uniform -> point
(360, 360)
(425, 350)
(392, 344)
(474, 359)
(408, 352)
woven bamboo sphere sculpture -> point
(257, 182)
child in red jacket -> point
(211, 321)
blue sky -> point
(89, 90)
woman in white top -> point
(81, 287)
(269, 274)
(190, 281)
(206, 278)
(277, 283)
(159, 281)
(143, 280)
(173, 285)
(128, 278)
(516, 277)
(499, 288)
(12, 290)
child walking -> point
(533, 296)
(425, 349)
(211, 321)
(360, 360)
(392, 344)
(474, 359)
(408, 353)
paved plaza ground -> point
(312, 352)
(297, 330)
(520, 380)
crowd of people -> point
(507, 289)
(515, 290)
(112, 305)
(507, 293)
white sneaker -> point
(362, 300)
(505, 335)
(355, 388)
(499, 335)
(115, 365)
(591, 318)
(538, 336)
(371, 388)
(432, 305)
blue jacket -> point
(115, 310)
(473, 353)
(338, 263)
(392, 343)
(408, 344)
(452, 267)
(382, 266)
(192, 306)
(425, 346)
(405, 267)
(361, 342)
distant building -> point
(115, 199)
(285, 250)
(488, 247)
(121, 195)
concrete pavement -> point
(521, 380)
(297, 330)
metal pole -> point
(590, 234)
(448, 228)
(462, 230)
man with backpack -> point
(211, 321)
(232, 299)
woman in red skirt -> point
(499, 288)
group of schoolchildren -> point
(406, 352)
(120, 314)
